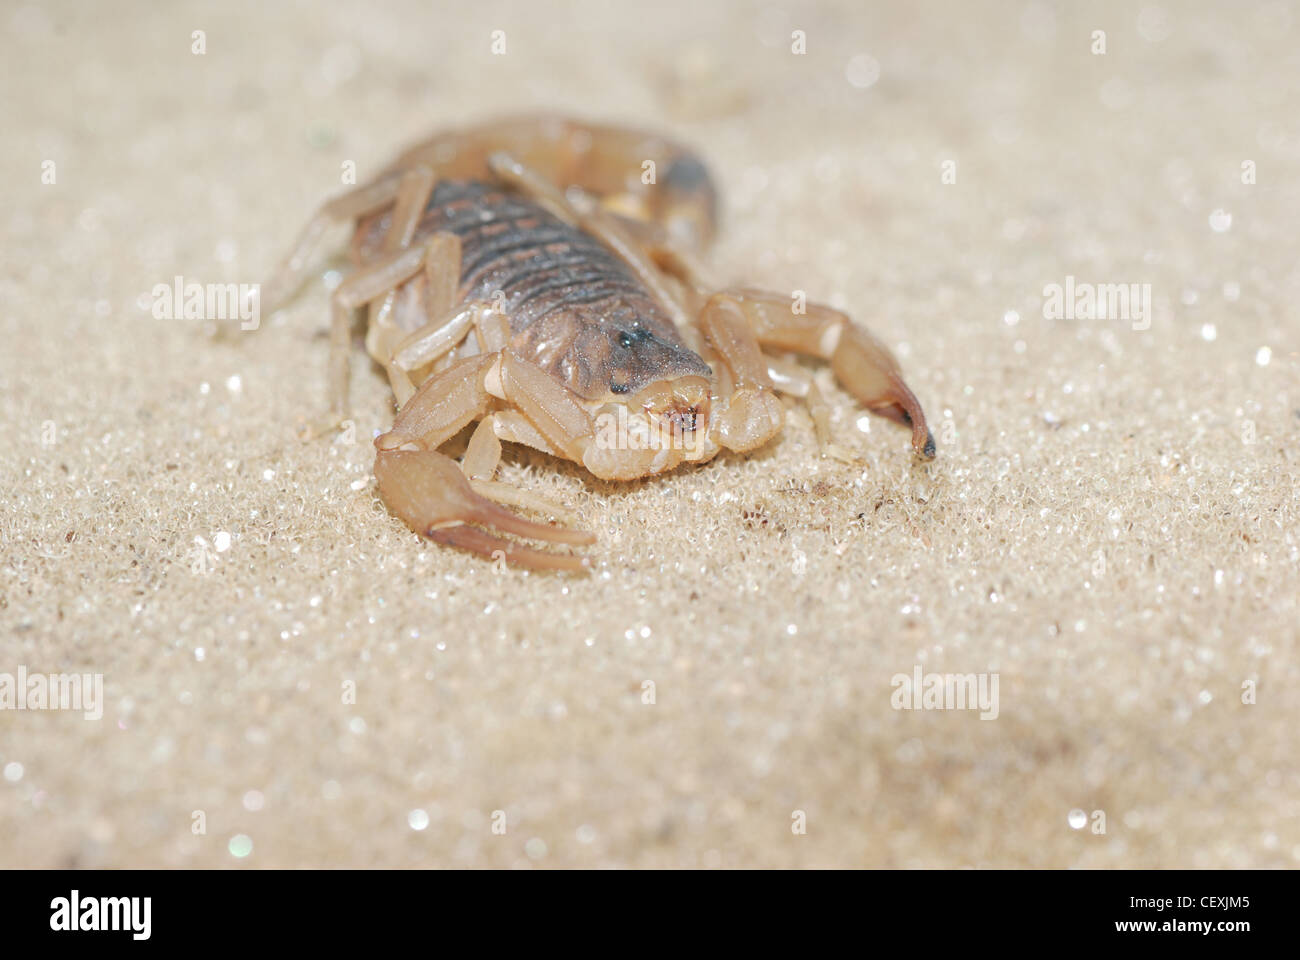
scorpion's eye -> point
(625, 340)
(618, 388)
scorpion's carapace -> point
(531, 277)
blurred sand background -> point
(1110, 525)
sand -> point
(292, 678)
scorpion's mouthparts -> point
(686, 419)
(682, 403)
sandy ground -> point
(292, 678)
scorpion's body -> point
(539, 277)
(566, 297)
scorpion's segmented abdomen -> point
(521, 257)
(574, 308)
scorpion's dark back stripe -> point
(512, 248)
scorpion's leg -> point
(430, 342)
(413, 192)
(432, 495)
(483, 453)
(375, 280)
(480, 465)
(669, 260)
(618, 238)
(378, 279)
(426, 345)
(532, 183)
(670, 254)
(795, 381)
(682, 263)
(861, 363)
(382, 331)
(513, 427)
(352, 205)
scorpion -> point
(541, 277)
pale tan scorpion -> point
(540, 276)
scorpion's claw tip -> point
(928, 451)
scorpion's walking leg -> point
(795, 381)
(611, 232)
(376, 280)
(674, 257)
(483, 453)
(352, 205)
(402, 353)
(430, 492)
(513, 427)
(480, 465)
(382, 332)
(861, 363)
(413, 193)
(379, 279)
(441, 335)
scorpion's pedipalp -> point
(431, 494)
(750, 414)
(515, 497)
(444, 405)
(548, 406)
(861, 363)
(476, 541)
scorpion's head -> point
(655, 399)
(658, 374)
